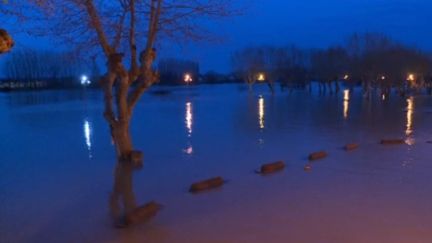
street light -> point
(346, 77)
(411, 77)
(85, 80)
(187, 78)
(261, 77)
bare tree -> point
(126, 32)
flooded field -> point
(57, 167)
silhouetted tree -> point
(29, 64)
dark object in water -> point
(206, 184)
(142, 213)
(392, 141)
(308, 167)
(161, 92)
(317, 155)
(428, 141)
(351, 146)
(272, 167)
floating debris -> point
(272, 167)
(143, 213)
(206, 184)
(351, 146)
(317, 155)
(392, 141)
(161, 92)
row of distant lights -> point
(85, 81)
(411, 77)
(187, 78)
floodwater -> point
(57, 167)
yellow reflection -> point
(261, 112)
(189, 118)
(346, 95)
(410, 112)
(87, 136)
(346, 103)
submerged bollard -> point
(142, 213)
(317, 155)
(392, 141)
(351, 146)
(206, 184)
(272, 167)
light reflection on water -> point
(88, 136)
(346, 103)
(189, 118)
(294, 125)
(409, 121)
(261, 112)
(189, 123)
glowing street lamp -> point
(383, 77)
(411, 77)
(187, 78)
(346, 77)
(261, 77)
(85, 80)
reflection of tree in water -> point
(124, 208)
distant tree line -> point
(372, 60)
(52, 68)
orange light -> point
(411, 77)
(261, 77)
(187, 78)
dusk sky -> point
(306, 23)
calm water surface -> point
(57, 164)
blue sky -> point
(306, 23)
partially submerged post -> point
(272, 167)
(392, 141)
(351, 146)
(206, 184)
(142, 213)
(317, 155)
